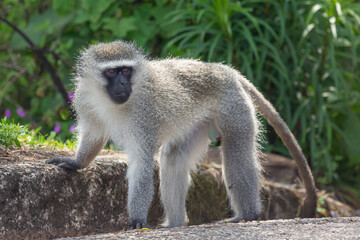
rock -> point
(275, 167)
(311, 228)
(279, 169)
(39, 201)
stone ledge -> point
(315, 228)
(40, 201)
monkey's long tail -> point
(273, 117)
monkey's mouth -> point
(120, 97)
(122, 94)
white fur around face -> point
(117, 63)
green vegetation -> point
(303, 55)
(12, 134)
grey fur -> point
(177, 159)
(172, 103)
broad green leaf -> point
(96, 8)
(39, 25)
(64, 7)
(81, 16)
(17, 143)
(120, 27)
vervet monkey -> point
(142, 104)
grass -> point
(12, 134)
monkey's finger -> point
(72, 166)
(54, 161)
(64, 162)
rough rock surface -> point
(316, 228)
(39, 201)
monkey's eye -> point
(110, 72)
(125, 69)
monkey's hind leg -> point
(241, 170)
(177, 159)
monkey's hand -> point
(66, 163)
(137, 225)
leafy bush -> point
(60, 29)
(10, 132)
(303, 55)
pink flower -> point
(7, 113)
(57, 128)
(21, 112)
(218, 138)
(72, 128)
(71, 96)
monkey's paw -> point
(66, 163)
(238, 219)
(137, 225)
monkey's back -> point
(186, 90)
(197, 80)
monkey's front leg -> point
(140, 187)
(90, 146)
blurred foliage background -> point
(303, 55)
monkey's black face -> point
(118, 83)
